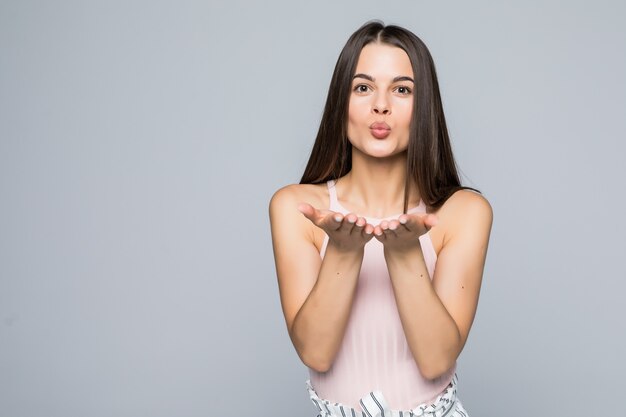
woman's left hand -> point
(402, 234)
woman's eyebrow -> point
(367, 77)
(395, 80)
(403, 78)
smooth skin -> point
(317, 294)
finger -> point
(310, 213)
(412, 222)
(359, 224)
(327, 219)
(364, 228)
(431, 220)
(380, 235)
(399, 228)
(351, 218)
(350, 223)
(315, 215)
(306, 209)
(426, 221)
(337, 221)
(402, 224)
(390, 230)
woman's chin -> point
(384, 151)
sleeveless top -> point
(374, 353)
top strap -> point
(332, 194)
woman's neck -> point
(375, 186)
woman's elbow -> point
(311, 355)
(435, 371)
(316, 362)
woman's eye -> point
(361, 88)
(404, 90)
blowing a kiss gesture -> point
(398, 311)
(401, 234)
(353, 232)
(349, 232)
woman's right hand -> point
(348, 232)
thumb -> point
(430, 220)
(307, 209)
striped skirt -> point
(374, 405)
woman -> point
(379, 250)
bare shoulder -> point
(298, 193)
(465, 208)
(464, 201)
(284, 213)
(286, 199)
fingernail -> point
(403, 220)
(351, 221)
(337, 218)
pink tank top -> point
(374, 353)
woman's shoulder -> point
(287, 221)
(294, 194)
(467, 199)
(465, 207)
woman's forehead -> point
(381, 60)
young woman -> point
(379, 250)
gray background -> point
(140, 143)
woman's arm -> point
(316, 295)
(437, 316)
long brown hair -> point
(430, 162)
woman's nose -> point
(381, 105)
(381, 110)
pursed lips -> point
(380, 130)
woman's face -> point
(381, 101)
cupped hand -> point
(403, 233)
(347, 232)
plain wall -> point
(141, 141)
